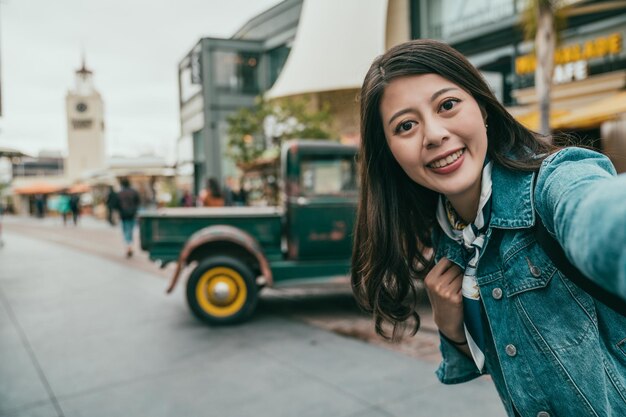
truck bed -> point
(165, 231)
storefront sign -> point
(572, 71)
(569, 56)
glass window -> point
(448, 18)
(277, 57)
(198, 146)
(328, 176)
(236, 72)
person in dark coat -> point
(75, 208)
(128, 206)
(111, 203)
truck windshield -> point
(331, 175)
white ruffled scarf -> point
(473, 238)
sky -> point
(132, 46)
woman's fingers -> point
(442, 266)
(451, 275)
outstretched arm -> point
(583, 205)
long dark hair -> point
(395, 217)
(214, 188)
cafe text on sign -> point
(595, 48)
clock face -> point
(81, 107)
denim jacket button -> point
(511, 350)
(543, 414)
(496, 293)
(535, 272)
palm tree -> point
(542, 20)
(538, 21)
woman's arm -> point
(583, 205)
(443, 286)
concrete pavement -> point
(84, 336)
(330, 307)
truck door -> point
(321, 204)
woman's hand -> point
(443, 286)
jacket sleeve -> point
(455, 366)
(583, 205)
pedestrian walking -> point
(128, 205)
(75, 208)
(186, 200)
(445, 169)
(111, 205)
(40, 206)
(234, 194)
(63, 206)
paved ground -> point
(330, 307)
(85, 335)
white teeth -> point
(447, 160)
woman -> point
(446, 170)
(211, 196)
(63, 205)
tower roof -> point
(83, 69)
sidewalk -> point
(83, 336)
(330, 307)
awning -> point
(334, 46)
(532, 120)
(38, 188)
(594, 114)
(79, 189)
(10, 152)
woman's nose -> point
(434, 134)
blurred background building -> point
(321, 49)
(85, 170)
(220, 76)
(85, 127)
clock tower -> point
(85, 127)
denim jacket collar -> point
(512, 207)
(513, 202)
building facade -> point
(220, 76)
(85, 127)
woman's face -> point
(436, 131)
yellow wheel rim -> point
(221, 291)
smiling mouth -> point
(444, 162)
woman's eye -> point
(404, 127)
(449, 104)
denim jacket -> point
(552, 349)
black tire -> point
(222, 290)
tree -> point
(252, 132)
(542, 20)
(538, 21)
(244, 129)
(256, 134)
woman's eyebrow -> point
(432, 98)
(399, 113)
(440, 92)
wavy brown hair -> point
(396, 216)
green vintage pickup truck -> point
(236, 251)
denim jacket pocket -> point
(543, 298)
(528, 268)
(621, 345)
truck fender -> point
(221, 233)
